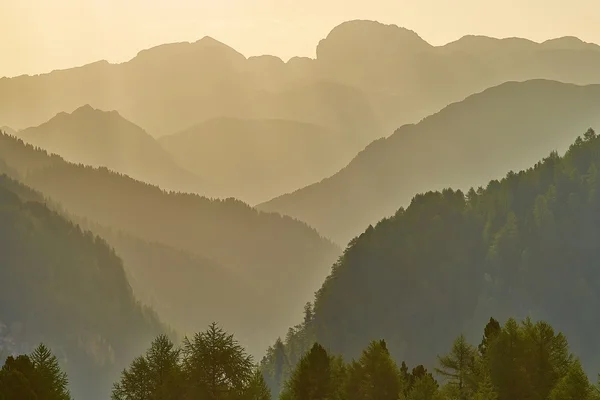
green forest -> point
(526, 360)
(524, 246)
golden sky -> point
(42, 35)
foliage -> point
(523, 246)
(211, 365)
(34, 377)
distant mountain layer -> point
(367, 79)
(64, 287)
(524, 246)
(466, 144)
(270, 256)
(99, 138)
(255, 160)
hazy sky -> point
(41, 35)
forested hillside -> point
(522, 246)
(508, 127)
(269, 254)
(66, 287)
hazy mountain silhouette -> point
(65, 287)
(255, 160)
(407, 79)
(182, 286)
(270, 254)
(398, 76)
(99, 138)
(466, 144)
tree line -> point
(517, 360)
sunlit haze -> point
(39, 35)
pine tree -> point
(156, 374)
(573, 386)
(486, 390)
(16, 379)
(257, 388)
(51, 383)
(424, 388)
(491, 331)
(375, 376)
(547, 357)
(312, 379)
(215, 365)
(458, 367)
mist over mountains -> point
(397, 76)
(466, 144)
(193, 185)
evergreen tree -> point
(257, 388)
(424, 388)
(458, 367)
(17, 378)
(312, 379)
(216, 367)
(156, 374)
(134, 383)
(51, 382)
(375, 376)
(486, 390)
(506, 363)
(547, 357)
(491, 331)
(573, 386)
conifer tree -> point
(51, 383)
(215, 365)
(573, 386)
(312, 379)
(458, 367)
(375, 375)
(157, 374)
(257, 387)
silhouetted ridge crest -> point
(362, 38)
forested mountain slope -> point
(270, 255)
(66, 287)
(466, 144)
(523, 246)
(99, 138)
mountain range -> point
(256, 160)
(105, 139)
(466, 144)
(193, 184)
(254, 255)
(367, 79)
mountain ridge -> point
(105, 139)
(389, 171)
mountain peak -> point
(365, 37)
(569, 43)
(84, 109)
